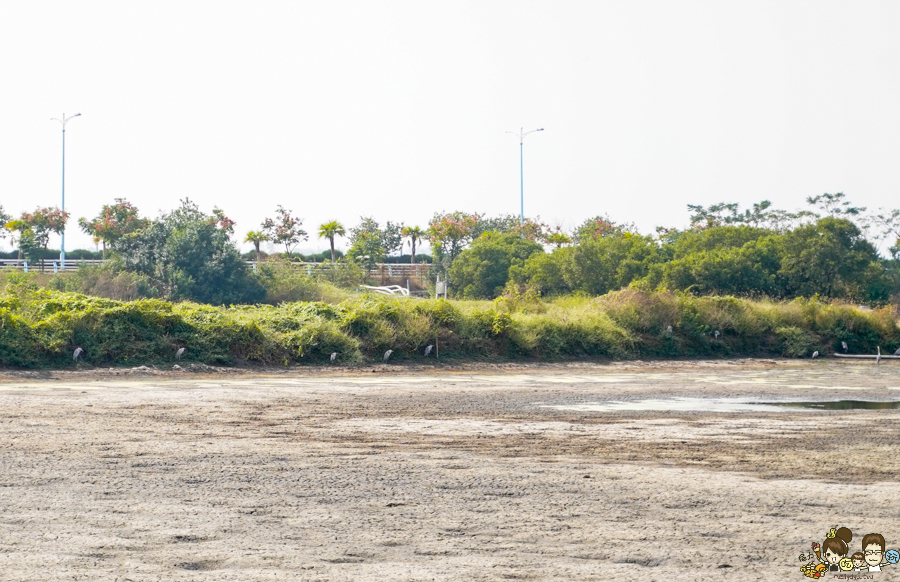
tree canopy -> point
(188, 254)
(330, 230)
(113, 222)
(284, 229)
(483, 270)
(34, 230)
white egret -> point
(387, 355)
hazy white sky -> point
(338, 109)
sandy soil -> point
(430, 473)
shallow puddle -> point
(841, 405)
(722, 405)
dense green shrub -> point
(189, 255)
(42, 327)
(713, 239)
(596, 266)
(286, 283)
(107, 280)
(829, 258)
(481, 272)
(796, 342)
(543, 273)
(600, 265)
(747, 270)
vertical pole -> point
(62, 244)
(521, 182)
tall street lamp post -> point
(521, 134)
(62, 244)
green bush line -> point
(40, 328)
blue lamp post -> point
(62, 244)
(521, 134)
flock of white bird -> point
(387, 354)
(846, 348)
(79, 353)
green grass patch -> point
(40, 328)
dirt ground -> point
(440, 473)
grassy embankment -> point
(40, 328)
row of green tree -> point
(369, 242)
(758, 252)
(189, 254)
(829, 251)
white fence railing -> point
(48, 265)
(382, 272)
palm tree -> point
(415, 234)
(330, 230)
(256, 237)
(97, 240)
(558, 238)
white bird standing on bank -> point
(387, 354)
(717, 334)
(179, 353)
(897, 353)
(333, 357)
(815, 354)
(428, 350)
(77, 354)
(844, 345)
(878, 357)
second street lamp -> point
(62, 244)
(522, 135)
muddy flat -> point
(644, 471)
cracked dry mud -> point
(439, 473)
